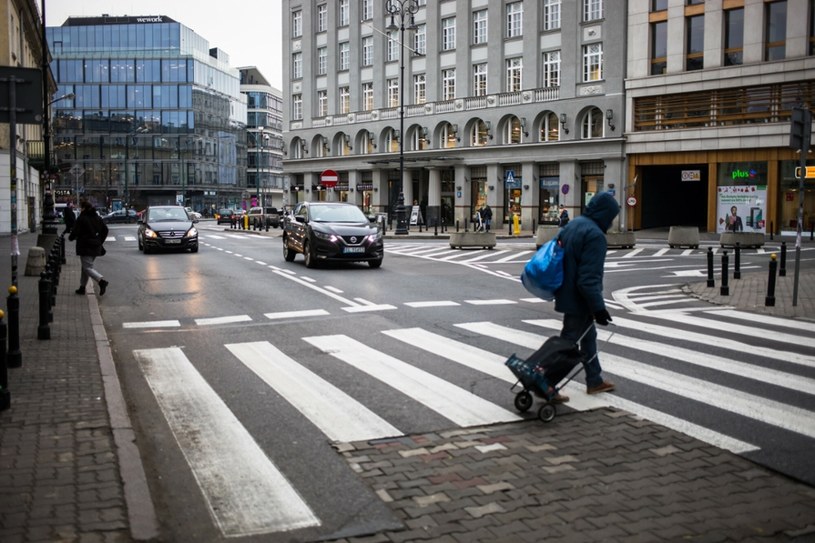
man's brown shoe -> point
(559, 398)
(605, 386)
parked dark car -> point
(324, 231)
(225, 216)
(121, 216)
(167, 228)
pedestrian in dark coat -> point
(69, 217)
(90, 233)
(580, 298)
(486, 214)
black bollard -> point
(533, 226)
(782, 271)
(43, 331)
(15, 357)
(770, 299)
(772, 230)
(5, 395)
(710, 282)
(62, 249)
(435, 228)
(466, 226)
(510, 226)
(725, 289)
(457, 224)
(737, 263)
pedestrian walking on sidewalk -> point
(69, 217)
(90, 233)
(580, 298)
(486, 214)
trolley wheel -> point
(547, 412)
(523, 401)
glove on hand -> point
(602, 317)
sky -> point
(250, 33)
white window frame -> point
(514, 74)
(322, 103)
(367, 96)
(448, 33)
(297, 65)
(419, 88)
(297, 106)
(393, 46)
(393, 92)
(480, 27)
(367, 50)
(367, 10)
(344, 58)
(297, 23)
(420, 39)
(322, 18)
(551, 69)
(514, 19)
(593, 62)
(592, 10)
(480, 81)
(551, 14)
(345, 100)
(550, 128)
(448, 83)
(322, 60)
(344, 10)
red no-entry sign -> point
(329, 178)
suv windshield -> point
(337, 213)
(168, 214)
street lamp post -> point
(403, 10)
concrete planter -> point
(460, 240)
(544, 233)
(744, 239)
(35, 264)
(621, 240)
(683, 236)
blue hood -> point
(602, 209)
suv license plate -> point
(353, 249)
(173, 241)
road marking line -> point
(223, 320)
(448, 400)
(335, 413)
(244, 490)
(439, 303)
(152, 324)
(296, 314)
(491, 302)
(765, 319)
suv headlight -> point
(325, 236)
(375, 236)
(191, 233)
(150, 234)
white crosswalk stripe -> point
(684, 369)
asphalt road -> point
(409, 348)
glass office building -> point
(156, 117)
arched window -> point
(480, 133)
(449, 135)
(392, 141)
(550, 128)
(592, 126)
(512, 132)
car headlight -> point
(150, 234)
(376, 236)
(191, 233)
(325, 236)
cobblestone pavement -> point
(70, 469)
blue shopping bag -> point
(543, 274)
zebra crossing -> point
(732, 363)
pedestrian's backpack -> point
(543, 274)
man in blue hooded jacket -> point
(580, 298)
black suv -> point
(324, 231)
(167, 227)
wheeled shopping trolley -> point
(543, 374)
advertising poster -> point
(741, 208)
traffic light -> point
(800, 129)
